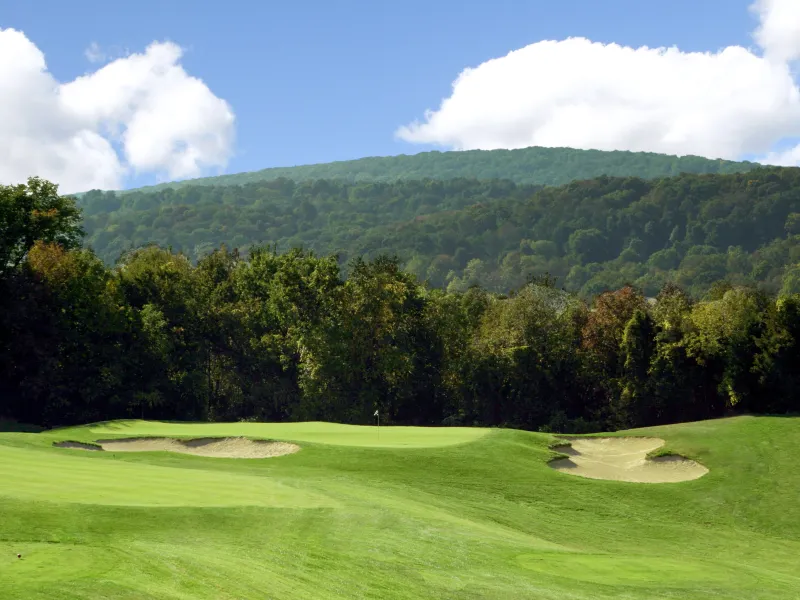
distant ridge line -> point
(533, 165)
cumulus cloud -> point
(94, 54)
(778, 32)
(138, 114)
(582, 94)
(97, 54)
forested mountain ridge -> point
(323, 215)
(594, 235)
(534, 165)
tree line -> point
(279, 336)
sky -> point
(98, 94)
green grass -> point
(319, 433)
(396, 513)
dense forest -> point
(594, 235)
(534, 166)
(286, 336)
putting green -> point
(320, 433)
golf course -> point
(338, 511)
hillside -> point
(396, 514)
(594, 235)
(323, 215)
(535, 166)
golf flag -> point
(376, 414)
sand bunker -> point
(212, 447)
(625, 459)
(76, 446)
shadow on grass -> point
(120, 425)
(10, 426)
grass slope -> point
(435, 516)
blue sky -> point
(316, 81)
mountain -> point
(594, 235)
(535, 165)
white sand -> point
(625, 459)
(212, 447)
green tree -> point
(289, 306)
(35, 212)
(602, 348)
(777, 357)
(81, 369)
(589, 243)
(164, 281)
(637, 348)
(722, 338)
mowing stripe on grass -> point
(39, 475)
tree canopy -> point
(35, 212)
(594, 235)
(534, 165)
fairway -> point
(396, 513)
(31, 476)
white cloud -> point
(784, 158)
(778, 32)
(141, 113)
(97, 54)
(582, 94)
(94, 54)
